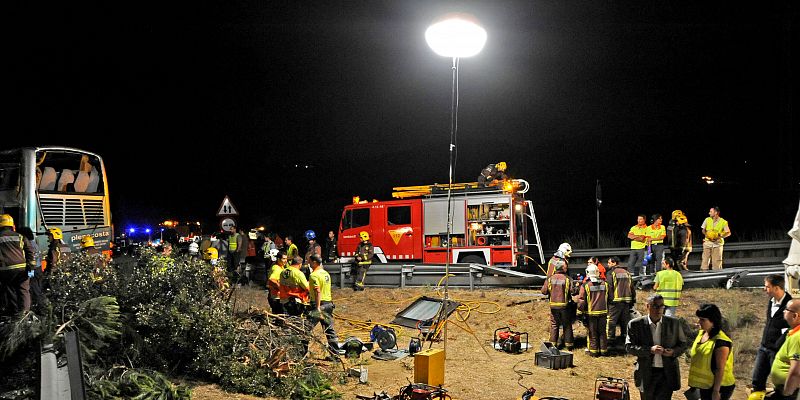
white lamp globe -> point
(456, 35)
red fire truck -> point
(489, 225)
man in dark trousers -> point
(621, 298)
(559, 288)
(17, 258)
(657, 341)
(773, 331)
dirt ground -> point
(474, 370)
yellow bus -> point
(57, 187)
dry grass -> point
(471, 373)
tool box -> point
(552, 358)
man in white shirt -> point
(774, 329)
(657, 341)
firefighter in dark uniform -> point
(492, 174)
(559, 259)
(621, 298)
(17, 258)
(559, 287)
(363, 261)
(592, 300)
(679, 237)
(56, 249)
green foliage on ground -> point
(163, 316)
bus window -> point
(68, 172)
(9, 177)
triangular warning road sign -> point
(226, 208)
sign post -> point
(226, 212)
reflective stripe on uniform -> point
(6, 239)
(10, 267)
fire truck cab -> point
(489, 225)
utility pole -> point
(598, 201)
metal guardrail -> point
(412, 275)
(696, 248)
(473, 275)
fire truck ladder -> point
(440, 189)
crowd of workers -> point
(296, 285)
(24, 269)
(605, 300)
(648, 247)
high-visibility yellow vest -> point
(638, 231)
(232, 239)
(783, 359)
(717, 227)
(654, 233)
(700, 375)
(320, 279)
(670, 284)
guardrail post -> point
(405, 269)
(344, 270)
(77, 391)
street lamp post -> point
(455, 35)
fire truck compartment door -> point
(436, 216)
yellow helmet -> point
(364, 235)
(6, 220)
(501, 166)
(676, 214)
(87, 241)
(210, 254)
(56, 233)
(681, 220)
(712, 235)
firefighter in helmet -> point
(17, 258)
(87, 245)
(364, 254)
(56, 249)
(593, 301)
(211, 255)
(559, 259)
(492, 174)
(312, 249)
(679, 236)
(558, 287)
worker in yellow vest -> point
(274, 281)
(711, 365)
(669, 284)
(639, 240)
(294, 288)
(322, 303)
(715, 230)
(656, 232)
(784, 369)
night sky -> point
(189, 102)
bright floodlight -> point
(456, 36)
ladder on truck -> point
(520, 186)
(440, 189)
